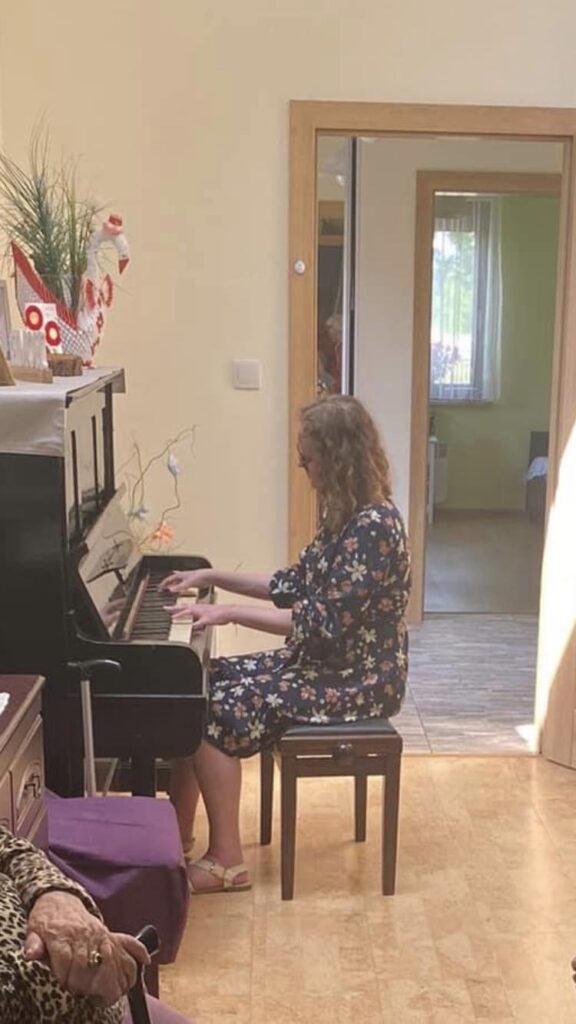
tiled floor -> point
(481, 928)
(471, 685)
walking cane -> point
(136, 996)
(85, 670)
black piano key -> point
(152, 620)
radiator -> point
(437, 476)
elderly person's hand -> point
(84, 956)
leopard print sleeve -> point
(32, 873)
(29, 991)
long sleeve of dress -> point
(363, 579)
(287, 585)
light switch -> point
(247, 373)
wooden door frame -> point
(427, 184)
(556, 684)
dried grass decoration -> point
(56, 240)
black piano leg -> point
(143, 776)
(63, 751)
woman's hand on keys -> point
(183, 581)
(201, 615)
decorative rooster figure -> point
(78, 335)
(98, 288)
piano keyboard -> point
(153, 622)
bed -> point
(537, 476)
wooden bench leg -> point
(391, 783)
(288, 819)
(266, 796)
(360, 796)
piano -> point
(74, 586)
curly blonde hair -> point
(353, 468)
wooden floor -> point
(482, 927)
(483, 563)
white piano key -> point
(181, 631)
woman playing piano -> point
(340, 607)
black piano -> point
(74, 586)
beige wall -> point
(179, 111)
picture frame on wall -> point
(5, 323)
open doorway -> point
(472, 682)
(554, 718)
(492, 276)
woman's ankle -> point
(227, 856)
(188, 846)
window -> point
(466, 299)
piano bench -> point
(126, 852)
(359, 749)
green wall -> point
(488, 445)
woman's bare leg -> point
(184, 794)
(220, 779)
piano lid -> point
(111, 564)
(33, 416)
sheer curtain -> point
(488, 307)
(467, 299)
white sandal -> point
(224, 875)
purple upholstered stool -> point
(126, 852)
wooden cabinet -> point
(22, 758)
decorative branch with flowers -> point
(155, 532)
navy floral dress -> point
(346, 658)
